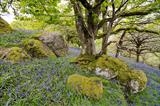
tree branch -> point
(98, 4)
(122, 5)
(101, 23)
(86, 4)
(136, 29)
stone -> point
(55, 42)
(4, 26)
(108, 74)
(134, 86)
(15, 55)
(36, 48)
(91, 87)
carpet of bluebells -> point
(42, 82)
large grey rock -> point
(55, 42)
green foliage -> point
(28, 24)
(51, 12)
(36, 48)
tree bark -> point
(120, 44)
(90, 46)
(79, 26)
(137, 58)
(108, 30)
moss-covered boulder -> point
(91, 87)
(36, 48)
(135, 80)
(138, 81)
(15, 55)
(4, 26)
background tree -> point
(140, 43)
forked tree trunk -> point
(87, 32)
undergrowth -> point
(14, 38)
(42, 82)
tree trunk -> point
(79, 24)
(91, 33)
(117, 52)
(138, 52)
(120, 44)
(104, 47)
(107, 29)
(137, 58)
(90, 47)
(130, 54)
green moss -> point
(139, 76)
(91, 87)
(124, 74)
(16, 54)
(4, 26)
(36, 35)
(36, 48)
(84, 60)
(1, 80)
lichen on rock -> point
(91, 87)
(36, 48)
(108, 74)
(15, 55)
